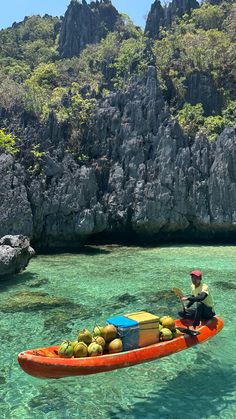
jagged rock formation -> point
(86, 24)
(201, 88)
(15, 253)
(16, 213)
(144, 179)
(163, 16)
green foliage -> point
(7, 143)
(127, 29)
(203, 42)
(11, 93)
(37, 52)
(204, 51)
(32, 75)
(36, 153)
(230, 22)
(37, 27)
(18, 71)
(191, 118)
(214, 125)
(56, 104)
(44, 95)
(39, 89)
(229, 113)
(208, 17)
(32, 40)
(130, 60)
(45, 75)
(36, 101)
(81, 108)
(110, 63)
(83, 158)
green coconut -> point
(99, 340)
(115, 346)
(109, 332)
(66, 349)
(166, 334)
(85, 336)
(98, 330)
(160, 327)
(168, 322)
(80, 350)
(73, 343)
(94, 349)
(162, 318)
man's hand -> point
(184, 298)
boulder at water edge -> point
(15, 253)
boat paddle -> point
(185, 330)
(180, 295)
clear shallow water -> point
(197, 383)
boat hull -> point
(45, 363)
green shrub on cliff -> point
(7, 143)
(39, 88)
(32, 41)
(229, 113)
(130, 60)
(208, 17)
(201, 43)
(191, 118)
(214, 125)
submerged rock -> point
(15, 253)
(126, 298)
(225, 285)
(33, 301)
(60, 319)
(35, 283)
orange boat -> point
(45, 362)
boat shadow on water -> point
(192, 394)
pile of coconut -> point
(102, 339)
(167, 328)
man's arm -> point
(198, 298)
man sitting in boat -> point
(201, 296)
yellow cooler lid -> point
(143, 317)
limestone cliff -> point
(143, 179)
(85, 24)
(163, 16)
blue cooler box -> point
(128, 331)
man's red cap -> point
(196, 273)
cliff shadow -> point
(90, 250)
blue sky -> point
(16, 10)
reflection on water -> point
(62, 293)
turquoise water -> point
(64, 293)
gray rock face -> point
(164, 16)
(16, 214)
(201, 88)
(144, 179)
(85, 24)
(15, 253)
